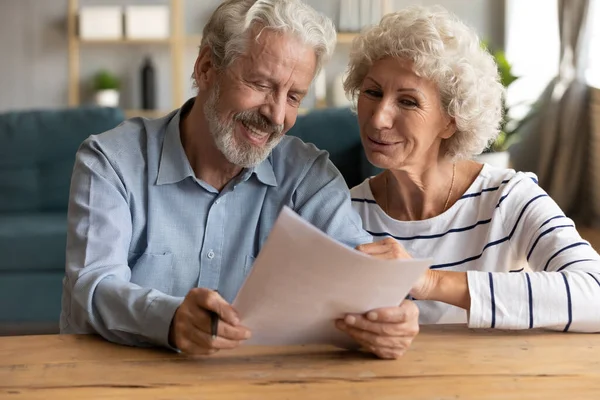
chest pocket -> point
(153, 271)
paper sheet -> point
(303, 280)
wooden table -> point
(443, 363)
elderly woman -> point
(428, 99)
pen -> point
(214, 324)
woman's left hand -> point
(385, 332)
(425, 285)
(386, 249)
(390, 249)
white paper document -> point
(303, 280)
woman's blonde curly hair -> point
(446, 51)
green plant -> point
(508, 127)
(104, 80)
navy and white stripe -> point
(503, 223)
(529, 300)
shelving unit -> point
(177, 43)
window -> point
(533, 47)
(592, 74)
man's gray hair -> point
(227, 30)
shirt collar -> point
(263, 172)
(174, 165)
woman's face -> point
(401, 120)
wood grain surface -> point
(448, 362)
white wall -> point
(33, 48)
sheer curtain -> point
(556, 143)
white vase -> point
(107, 98)
(498, 159)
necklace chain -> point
(386, 209)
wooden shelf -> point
(193, 40)
(346, 37)
(146, 113)
(124, 41)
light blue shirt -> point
(143, 230)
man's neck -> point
(206, 160)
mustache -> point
(256, 119)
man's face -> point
(255, 101)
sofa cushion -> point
(33, 241)
(336, 131)
(27, 297)
(37, 152)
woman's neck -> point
(418, 193)
(415, 194)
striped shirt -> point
(526, 264)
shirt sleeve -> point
(561, 289)
(323, 199)
(98, 295)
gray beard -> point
(240, 153)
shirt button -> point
(210, 255)
(217, 201)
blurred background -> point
(71, 68)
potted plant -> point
(497, 153)
(106, 88)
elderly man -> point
(167, 215)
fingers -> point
(211, 300)
(372, 338)
(406, 311)
(200, 341)
(388, 347)
(386, 332)
(378, 247)
(191, 327)
(202, 322)
(403, 328)
(387, 249)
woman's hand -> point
(446, 286)
(451, 287)
(425, 286)
(386, 249)
(385, 332)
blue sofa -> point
(37, 151)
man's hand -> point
(190, 328)
(385, 332)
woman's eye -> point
(408, 103)
(373, 93)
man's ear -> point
(450, 128)
(204, 69)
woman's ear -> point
(450, 128)
(204, 69)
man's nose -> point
(274, 109)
